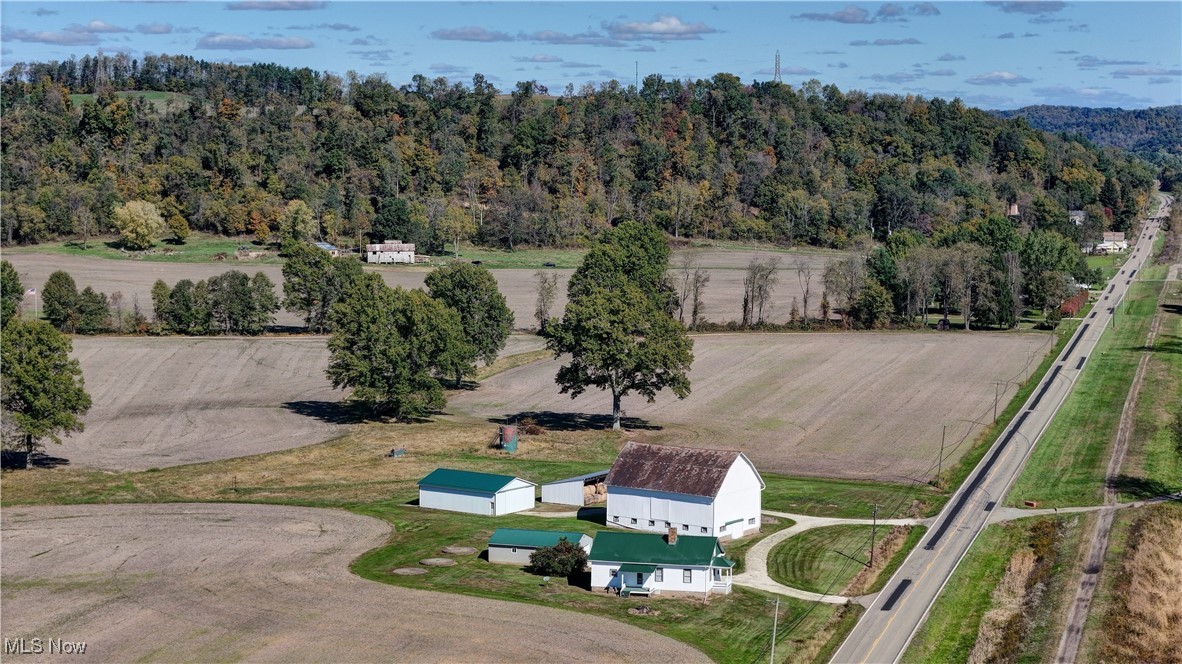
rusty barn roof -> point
(684, 470)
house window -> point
(685, 527)
(514, 549)
(703, 528)
(751, 521)
(616, 519)
(651, 522)
(634, 521)
(659, 575)
(614, 572)
(687, 576)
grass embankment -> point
(1068, 465)
(832, 559)
(848, 499)
(1002, 602)
(1135, 613)
(198, 248)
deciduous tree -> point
(41, 388)
(471, 291)
(547, 288)
(313, 281)
(59, 299)
(139, 224)
(12, 291)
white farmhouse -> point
(390, 251)
(649, 563)
(716, 493)
(475, 493)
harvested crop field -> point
(168, 401)
(723, 295)
(179, 582)
(854, 405)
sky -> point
(989, 54)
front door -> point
(640, 579)
(717, 575)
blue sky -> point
(990, 54)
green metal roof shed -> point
(514, 545)
(475, 493)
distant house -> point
(1077, 217)
(330, 248)
(696, 491)
(650, 563)
(513, 545)
(390, 251)
(1113, 241)
(475, 493)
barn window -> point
(667, 524)
(634, 521)
(616, 519)
(703, 528)
(651, 522)
(751, 521)
(514, 549)
(687, 576)
(659, 575)
(685, 527)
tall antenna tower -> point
(637, 83)
(778, 79)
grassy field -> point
(822, 560)
(1068, 465)
(1109, 265)
(197, 248)
(157, 99)
(848, 499)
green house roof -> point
(651, 548)
(533, 538)
(466, 480)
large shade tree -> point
(471, 291)
(618, 332)
(41, 388)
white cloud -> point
(471, 33)
(276, 5)
(222, 41)
(998, 78)
(661, 28)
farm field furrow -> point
(723, 295)
(168, 401)
(265, 583)
(859, 406)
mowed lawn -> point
(867, 406)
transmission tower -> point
(778, 79)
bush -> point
(563, 559)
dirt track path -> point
(224, 582)
(1078, 612)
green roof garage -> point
(514, 545)
(475, 493)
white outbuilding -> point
(475, 493)
(390, 251)
(514, 545)
(580, 490)
(699, 492)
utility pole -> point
(996, 394)
(940, 461)
(775, 627)
(873, 531)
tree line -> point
(436, 161)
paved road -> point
(891, 621)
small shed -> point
(330, 248)
(513, 545)
(475, 493)
(390, 251)
(581, 490)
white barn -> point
(580, 490)
(390, 251)
(475, 493)
(715, 493)
(514, 545)
(649, 564)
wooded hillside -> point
(436, 160)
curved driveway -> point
(215, 582)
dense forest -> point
(430, 162)
(1154, 134)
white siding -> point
(624, 505)
(390, 257)
(518, 495)
(456, 500)
(700, 578)
(739, 497)
(518, 555)
(563, 493)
